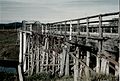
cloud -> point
(93, 3)
(53, 10)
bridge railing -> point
(102, 23)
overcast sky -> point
(53, 10)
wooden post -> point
(75, 70)
(47, 56)
(60, 29)
(107, 67)
(20, 58)
(67, 60)
(37, 56)
(88, 53)
(58, 56)
(103, 65)
(87, 63)
(70, 36)
(63, 56)
(117, 70)
(76, 65)
(28, 56)
(53, 67)
(78, 30)
(24, 51)
(56, 29)
(119, 43)
(42, 29)
(46, 29)
(24, 46)
(78, 27)
(81, 66)
(100, 45)
(65, 30)
(43, 54)
(32, 56)
(30, 27)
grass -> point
(8, 49)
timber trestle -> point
(80, 47)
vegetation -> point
(8, 76)
(14, 25)
(8, 45)
(40, 76)
(48, 77)
(8, 50)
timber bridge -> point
(80, 47)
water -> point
(8, 69)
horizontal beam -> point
(106, 14)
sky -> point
(53, 10)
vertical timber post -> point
(76, 65)
(38, 55)
(70, 37)
(32, 56)
(78, 29)
(67, 60)
(46, 29)
(53, 67)
(24, 51)
(78, 26)
(42, 29)
(43, 55)
(60, 29)
(28, 55)
(119, 43)
(65, 30)
(47, 55)
(88, 53)
(20, 58)
(100, 45)
(63, 56)
(24, 46)
(107, 67)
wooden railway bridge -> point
(80, 47)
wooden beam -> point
(83, 63)
(109, 59)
